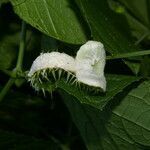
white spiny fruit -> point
(53, 60)
(49, 67)
(86, 70)
(90, 63)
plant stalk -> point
(19, 62)
(126, 55)
(6, 88)
(21, 47)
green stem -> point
(7, 72)
(62, 146)
(142, 38)
(19, 62)
(21, 47)
(6, 88)
(126, 55)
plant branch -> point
(6, 88)
(21, 47)
(18, 65)
(126, 55)
(7, 72)
(142, 38)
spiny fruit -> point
(50, 67)
(85, 71)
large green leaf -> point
(139, 9)
(105, 26)
(126, 125)
(54, 18)
(137, 14)
(115, 85)
(109, 27)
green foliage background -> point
(73, 119)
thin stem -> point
(142, 38)
(7, 72)
(6, 88)
(21, 47)
(126, 55)
(62, 146)
(19, 62)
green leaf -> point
(115, 85)
(133, 112)
(13, 141)
(145, 69)
(134, 66)
(139, 9)
(54, 18)
(137, 27)
(126, 125)
(108, 27)
(105, 26)
(137, 14)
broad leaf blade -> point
(108, 27)
(105, 26)
(115, 84)
(134, 114)
(123, 127)
(139, 9)
(54, 18)
(137, 14)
